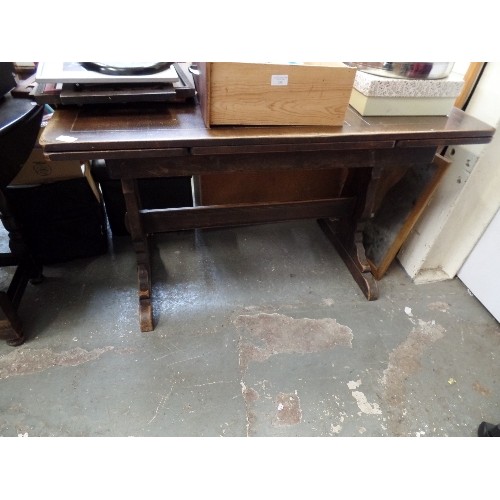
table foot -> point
(146, 315)
(353, 254)
(145, 306)
(19, 340)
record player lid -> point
(75, 72)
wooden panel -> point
(300, 160)
(175, 219)
(276, 148)
(272, 186)
(442, 142)
(97, 154)
(400, 210)
(470, 78)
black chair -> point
(20, 121)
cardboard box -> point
(400, 106)
(38, 170)
(236, 93)
(375, 95)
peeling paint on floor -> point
(404, 361)
(275, 333)
(364, 406)
(264, 335)
(439, 306)
(250, 395)
(288, 411)
(28, 361)
(362, 401)
(353, 384)
(335, 429)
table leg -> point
(347, 234)
(350, 247)
(141, 247)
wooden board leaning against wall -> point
(385, 235)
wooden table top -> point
(104, 131)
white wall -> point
(465, 201)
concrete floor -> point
(261, 331)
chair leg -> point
(10, 325)
(28, 269)
(24, 273)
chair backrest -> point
(7, 80)
(20, 122)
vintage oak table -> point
(170, 139)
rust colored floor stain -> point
(439, 306)
(250, 395)
(27, 361)
(404, 361)
(288, 410)
(275, 333)
(484, 391)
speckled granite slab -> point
(380, 86)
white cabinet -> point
(481, 271)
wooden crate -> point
(236, 93)
(268, 187)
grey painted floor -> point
(260, 331)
